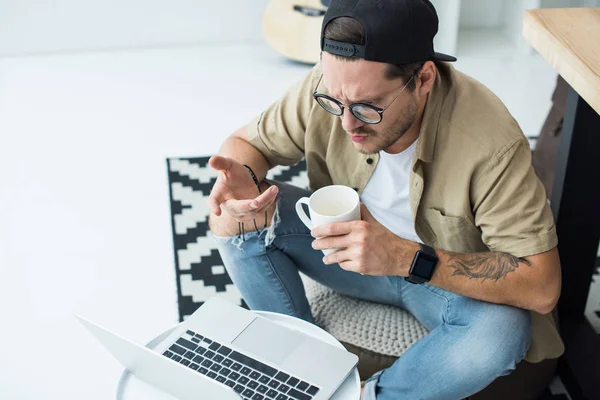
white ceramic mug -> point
(336, 203)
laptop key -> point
(258, 396)
(245, 370)
(168, 354)
(227, 362)
(248, 393)
(191, 333)
(252, 363)
(225, 371)
(203, 371)
(184, 362)
(302, 385)
(255, 375)
(194, 366)
(274, 384)
(282, 397)
(252, 384)
(282, 377)
(264, 379)
(243, 380)
(198, 359)
(218, 358)
(215, 367)
(239, 388)
(224, 351)
(293, 381)
(221, 379)
(186, 343)
(176, 358)
(230, 383)
(262, 389)
(236, 366)
(214, 346)
(177, 349)
(190, 355)
(209, 354)
(294, 394)
(200, 350)
(271, 394)
(207, 340)
(234, 376)
(211, 374)
(283, 388)
(312, 390)
(207, 363)
(196, 340)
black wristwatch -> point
(423, 265)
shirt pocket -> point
(453, 233)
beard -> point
(391, 133)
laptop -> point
(226, 352)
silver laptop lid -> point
(158, 370)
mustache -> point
(363, 131)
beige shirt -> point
(472, 187)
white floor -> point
(84, 212)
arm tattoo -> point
(484, 265)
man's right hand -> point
(236, 193)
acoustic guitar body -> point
(293, 28)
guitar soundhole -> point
(310, 12)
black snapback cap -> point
(396, 31)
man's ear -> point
(427, 78)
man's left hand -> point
(367, 247)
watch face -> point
(424, 266)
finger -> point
(213, 207)
(351, 266)
(219, 163)
(239, 208)
(265, 198)
(213, 203)
(333, 229)
(265, 207)
(331, 242)
(240, 217)
(342, 256)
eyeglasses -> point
(366, 113)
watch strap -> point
(428, 250)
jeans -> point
(470, 343)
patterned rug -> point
(199, 268)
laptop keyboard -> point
(250, 378)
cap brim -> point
(444, 57)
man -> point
(444, 174)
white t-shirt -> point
(387, 193)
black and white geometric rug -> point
(199, 268)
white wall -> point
(31, 26)
(448, 13)
(482, 13)
(514, 13)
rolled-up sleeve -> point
(278, 133)
(510, 206)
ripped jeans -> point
(470, 343)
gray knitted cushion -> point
(379, 328)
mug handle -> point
(300, 211)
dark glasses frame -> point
(352, 107)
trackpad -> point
(270, 341)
